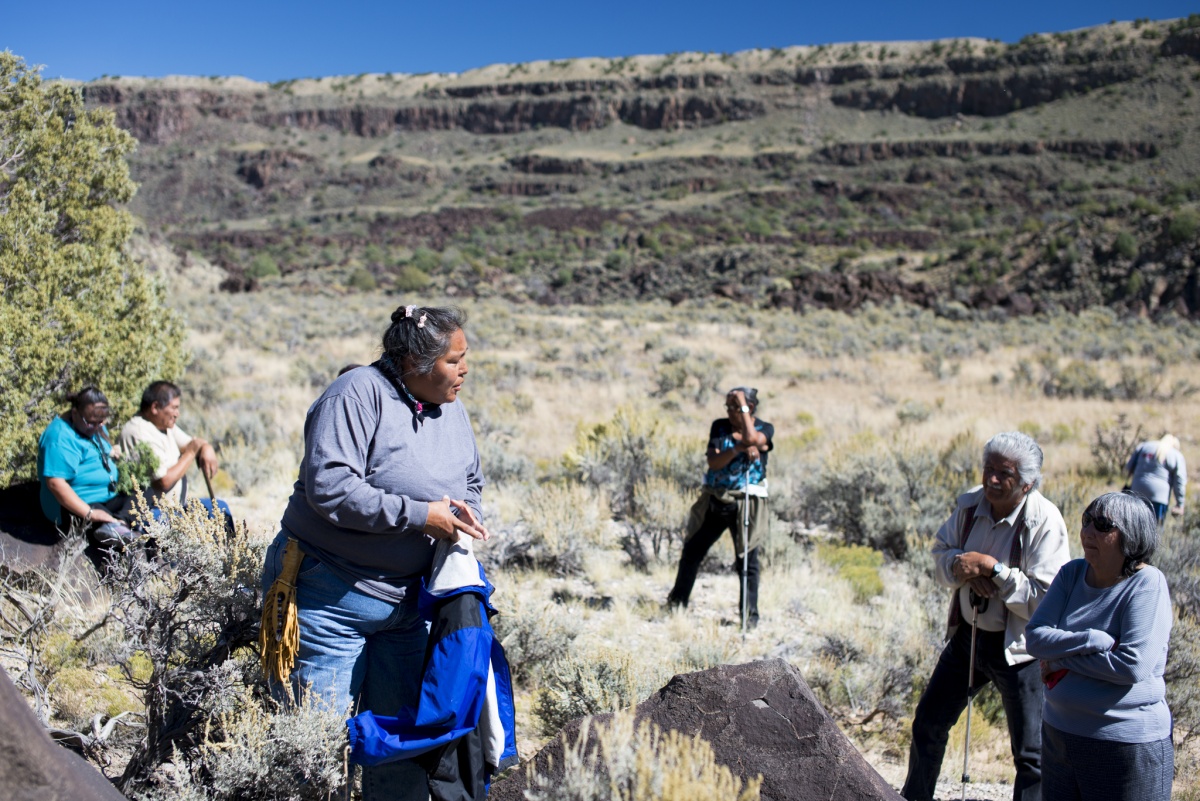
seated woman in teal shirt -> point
(77, 471)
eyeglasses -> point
(1101, 524)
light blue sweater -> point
(1113, 642)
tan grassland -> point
(830, 383)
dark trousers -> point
(1087, 769)
(946, 696)
(721, 517)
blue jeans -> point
(356, 648)
(945, 698)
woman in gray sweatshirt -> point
(390, 465)
(1102, 633)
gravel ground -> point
(947, 790)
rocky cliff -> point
(936, 172)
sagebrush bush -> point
(657, 514)
(628, 449)
(534, 636)
(588, 684)
(628, 762)
(885, 494)
(193, 613)
(563, 520)
(259, 751)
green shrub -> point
(1126, 245)
(858, 565)
(563, 520)
(411, 278)
(1183, 227)
(75, 307)
(362, 280)
(135, 471)
(263, 266)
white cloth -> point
(454, 566)
(1022, 587)
(167, 446)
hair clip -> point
(408, 310)
(421, 322)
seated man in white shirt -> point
(154, 425)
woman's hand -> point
(448, 518)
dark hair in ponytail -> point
(419, 336)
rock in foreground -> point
(759, 717)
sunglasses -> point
(1101, 524)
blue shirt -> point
(733, 475)
(85, 463)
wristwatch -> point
(745, 409)
(997, 569)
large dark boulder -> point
(760, 718)
(33, 768)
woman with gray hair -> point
(1157, 469)
(390, 466)
(1102, 634)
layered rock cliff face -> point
(937, 172)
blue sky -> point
(274, 40)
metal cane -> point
(978, 604)
(745, 543)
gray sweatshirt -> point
(1113, 643)
(369, 471)
(1157, 480)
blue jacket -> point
(444, 726)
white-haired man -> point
(1003, 545)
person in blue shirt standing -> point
(738, 445)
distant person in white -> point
(154, 424)
(1156, 470)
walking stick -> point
(208, 483)
(745, 544)
(978, 604)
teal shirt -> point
(86, 465)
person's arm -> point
(1144, 629)
(1045, 640)
(171, 477)
(1179, 483)
(945, 551)
(1022, 587)
(71, 502)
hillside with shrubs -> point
(1060, 171)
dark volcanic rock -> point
(33, 768)
(760, 718)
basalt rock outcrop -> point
(33, 767)
(760, 719)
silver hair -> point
(1136, 522)
(420, 335)
(1021, 450)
